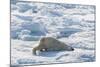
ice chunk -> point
(23, 32)
(65, 32)
(14, 1)
(30, 28)
(52, 13)
(54, 35)
(55, 13)
(14, 31)
(34, 9)
(29, 38)
(87, 57)
(25, 61)
(14, 35)
(23, 7)
(25, 18)
(35, 28)
(68, 6)
(13, 7)
(84, 40)
(71, 20)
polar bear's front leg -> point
(34, 51)
(37, 52)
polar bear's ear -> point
(43, 39)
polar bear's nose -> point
(72, 49)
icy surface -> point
(69, 23)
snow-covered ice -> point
(72, 24)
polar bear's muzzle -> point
(70, 48)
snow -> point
(23, 55)
(34, 28)
(23, 7)
(29, 37)
(72, 24)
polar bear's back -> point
(53, 44)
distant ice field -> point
(73, 24)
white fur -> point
(37, 52)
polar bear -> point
(51, 44)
